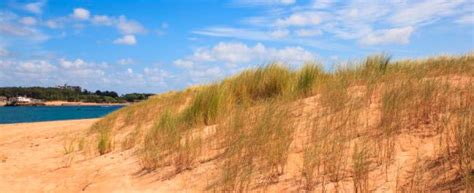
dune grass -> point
(253, 116)
(256, 146)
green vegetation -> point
(307, 78)
(248, 122)
(71, 95)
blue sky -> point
(156, 46)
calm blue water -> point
(50, 113)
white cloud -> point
(389, 36)
(321, 4)
(183, 63)
(207, 64)
(265, 2)
(12, 30)
(126, 61)
(424, 11)
(233, 32)
(300, 19)
(27, 33)
(81, 14)
(279, 33)
(79, 70)
(354, 20)
(308, 32)
(292, 55)
(53, 24)
(4, 51)
(123, 25)
(466, 19)
(206, 75)
(103, 20)
(90, 75)
(156, 75)
(244, 33)
(126, 40)
(35, 7)
(35, 66)
(5, 64)
(129, 26)
(28, 21)
(233, 53)
(76, 64)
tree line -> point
(72, 95)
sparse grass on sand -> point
(248, 123)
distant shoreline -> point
(66, 103)
(49, 122)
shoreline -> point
(51, 122)
(66, 103)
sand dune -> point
(33, 159)
(405, 132)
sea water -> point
(21, 114)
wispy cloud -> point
(80, 14)
(129, 26)
(4, 51)
(241, 33)
(126, 40)
(300, 19)
(28, 21)
(205, 63)
(264, 2)
(367, 23)
(11, 26)
(126, 61)
(91, 75)
(466, 19)
(388, 36)
(35, 7)
(423, 12)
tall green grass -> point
(256, 145)
(307, 78)
(254, 116)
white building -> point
(23, 99)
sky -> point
(161, 45)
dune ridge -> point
(375, 126)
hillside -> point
(376, 126)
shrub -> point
(207, 105)
(161, 142)
(105, 144)
(360, 167)
(307, 77)
(265, 82)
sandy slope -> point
(32, 159)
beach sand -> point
(39, 157)
(33, 159)
(31, 155)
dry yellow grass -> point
(362, 110)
